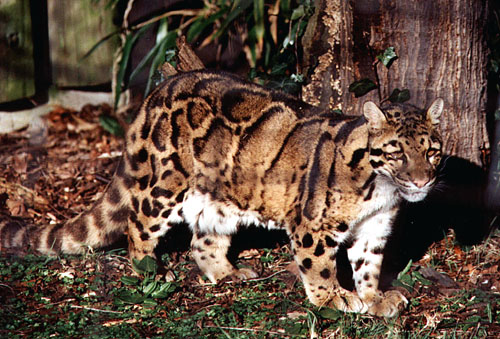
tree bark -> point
(441, 53)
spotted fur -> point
(220, 153)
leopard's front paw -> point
(243, 274)
(390, 304)
(349, 302)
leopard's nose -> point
(420, 182)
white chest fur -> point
(384, 197)
(201, 212)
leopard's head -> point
(405, 146)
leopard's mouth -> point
(413, 195)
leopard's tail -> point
(100, 226)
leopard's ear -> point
(435, 110)
(374, 115)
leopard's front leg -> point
(315, 253)
(365, 256)
(210, 253)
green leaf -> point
(159, 58)
(297, 13)
(164, 290)
(497, 115)
(98, 44)
(239, 6)
(285, 6)
(258, 15)
(150, 287)
(398, 283)
(406, 269)
(361, 87)
(127, 48)
(111, 125)
(127, 280)
(494, 66)
(420, 278)
(147, 265)
(399, 96)
(147, 58)
(199, 25)
(150, 302)
(330, 313)
(128, 297)
(290, 38)
(388, 57)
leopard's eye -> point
(432, 152)
(397, 155)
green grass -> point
(98, 296)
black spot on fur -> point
(166, 214)
(208, 242)
(146, 128)
(144, 236)
(135, 204)
(320, 249)
(358, 264)
(370, 192)
(307, 263)
(160, 192)
(307, 240)
(369, 181)
(154, 228)
(157, 204)
(180, 196)
(346, 129)
(330, 242)
(325, 274)
(166, 174)
(376, 164)
(174, 137)
(357, 156)
(114, 195)
(120, 215)
(143, 182)
(146, 207)
(314, 174)
(158, 136)
(142, 155)
(342, 227)
(53, 241)
(153, 181)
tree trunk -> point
(441, 53)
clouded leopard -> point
(220, 153)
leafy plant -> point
(408, 279)
(364, 86)
(146, 290)
(268, 30)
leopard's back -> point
(228, 151)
